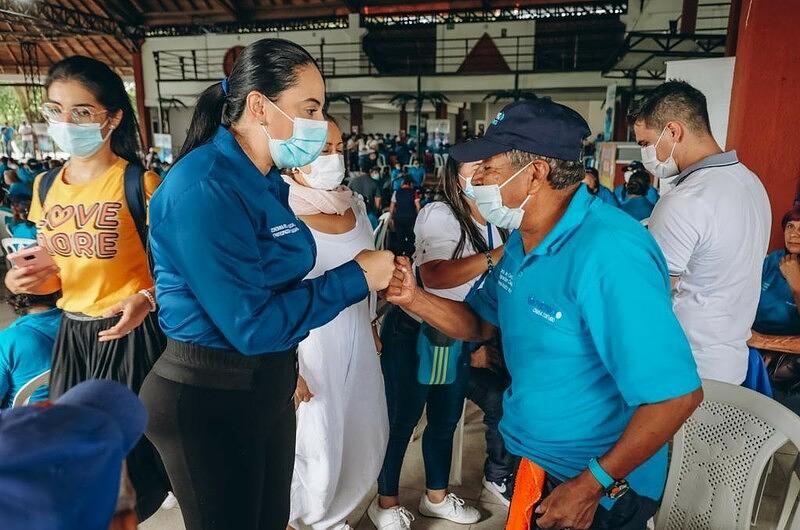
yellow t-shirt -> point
(92, 237)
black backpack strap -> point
(46, 183)
(134, 197)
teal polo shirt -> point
(588, 335)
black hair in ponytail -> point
(268, 66)
(109, 90)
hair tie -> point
(225, 86)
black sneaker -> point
(502, 491)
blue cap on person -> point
(60, 463)
(537, 126)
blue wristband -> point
(600, 474)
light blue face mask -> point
(78, 140)
(468, 189)
(490, 204)
(302, 147)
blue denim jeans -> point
(406, 398)
(630, 512)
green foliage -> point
(11, 110)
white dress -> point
(343, 431)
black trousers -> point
(486, 390)
(79, 356)
(224, 424)
(630, 512)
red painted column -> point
(144, 115)
(356, 115)
(764, 113)
(441, 111)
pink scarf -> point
(311, 201)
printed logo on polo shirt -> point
(283, 230)
(64, 230)
(545, 311)
(505, 280)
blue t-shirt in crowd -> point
(606, 196)
(8, 133)
(26, 176)
(23, 230)
(26, 347)
(238, 284)
(622, 195)
(20, 189)
(637, 207)
(417, 174)
(586, 341)
(777, 312)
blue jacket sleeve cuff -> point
(352, 280)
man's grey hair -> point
(563, 173)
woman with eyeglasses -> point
(85, 220)
(233, 297)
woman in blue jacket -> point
(233, 302)
(777, 323)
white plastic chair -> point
(381, 161)
(438, 160)
(24, 394)
(719, 457)
(15, 244)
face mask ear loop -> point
(673, 150)
(110, 131)
(280, 110)
(521, 206)
(515, 174)
(655, 145)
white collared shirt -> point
(713, 228)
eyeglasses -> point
(53, 113)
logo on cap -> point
(500, 117)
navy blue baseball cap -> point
(60, 465)
(537, 126)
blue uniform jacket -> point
(230, 256)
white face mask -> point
(327, 172)
(627, 176)
(490, 204)
(662, 170)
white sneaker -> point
(451, 508)
(395, 518)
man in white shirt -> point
(26, 133)
(712, 223)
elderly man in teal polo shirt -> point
(602, 373)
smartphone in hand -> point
(34, 256)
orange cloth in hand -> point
(528, 490)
